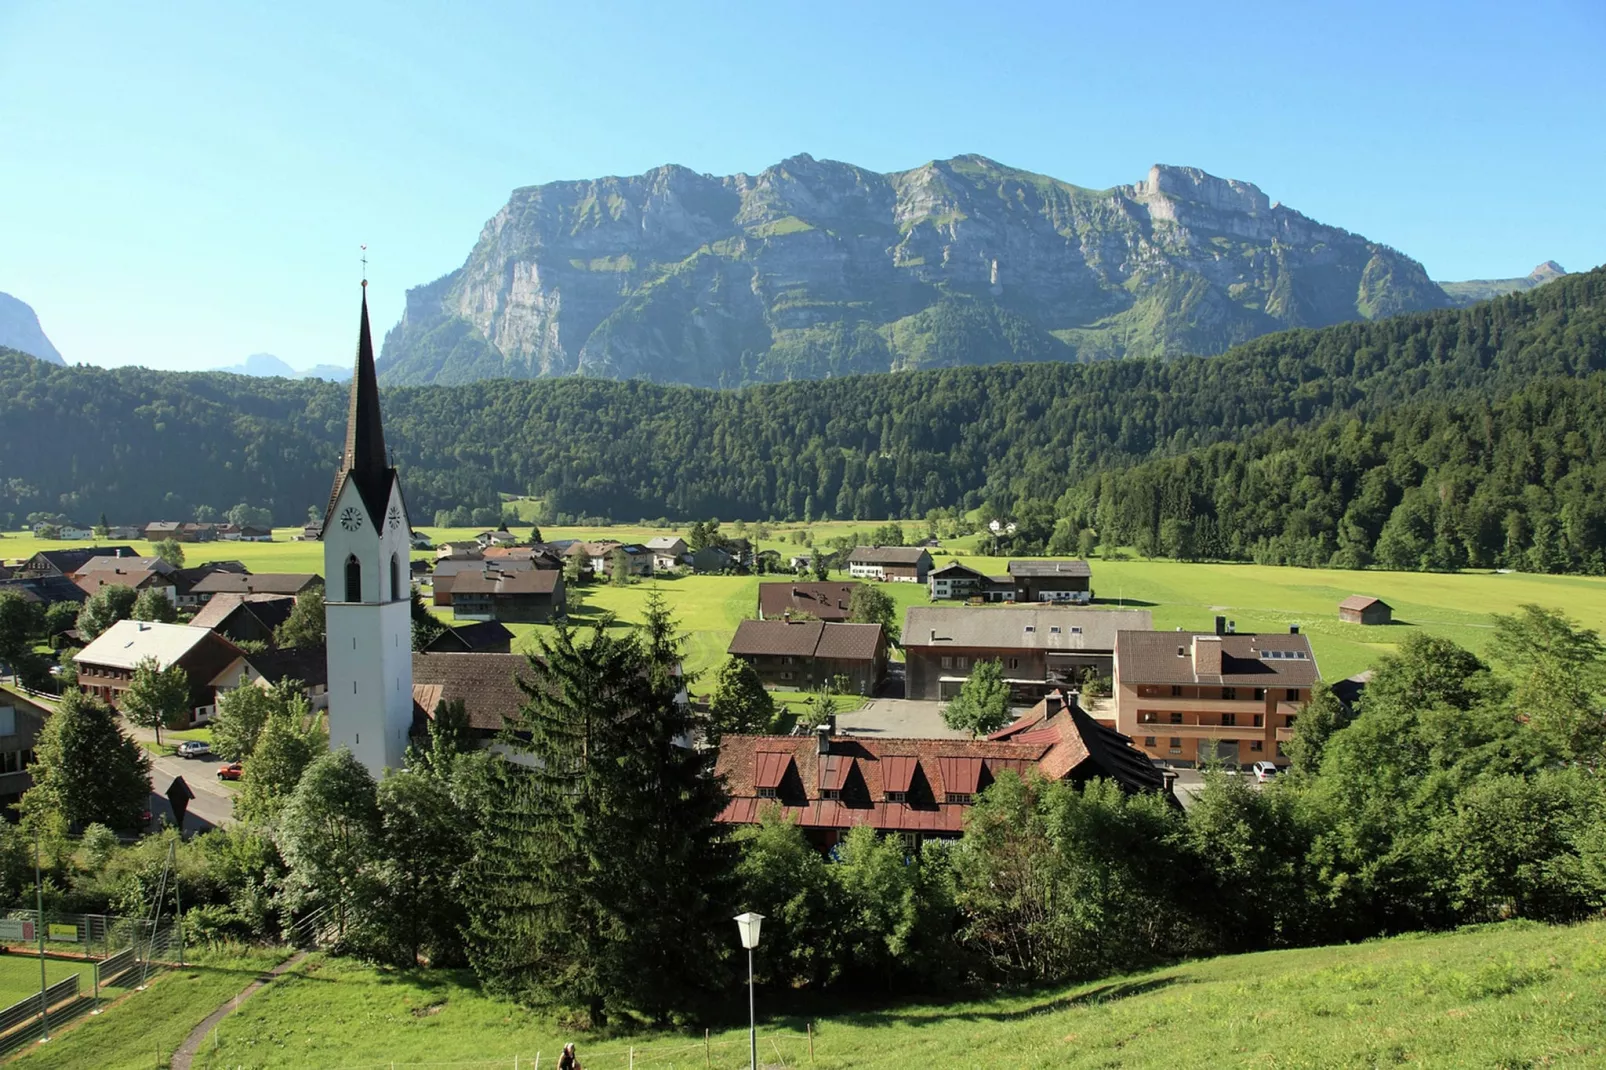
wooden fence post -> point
(811, 1043)
(708, 1050)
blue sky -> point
(184, 184)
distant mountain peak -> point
(1474, 290)
(1547, 271)
(266, 365)
(814, 268)
(20, 330)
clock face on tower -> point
(351, 519)
(395, 518)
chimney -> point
(1207, 655)
(822, 736)
(1052, 703)
(933, 635)
(1221, 625)
(1293, 629)
(1232, 627)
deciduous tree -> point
(740, 703)
(171, 551)
(104, 608)
(86, 769)
(158, 697)
(982, 705)
(304, 627)
(152, 605)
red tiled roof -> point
(962, 775)
(772, 767)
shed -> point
(1364, 609)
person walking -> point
(569, 1060)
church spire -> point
(365, 437)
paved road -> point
(213, 805)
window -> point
(1054, 629)
(8, 721)
(897, 796)
(1280, 753)
(395, 579)
(831, 793)
(962, 663)
(1148, 741)
(786, 676)
(1260, 720)
(1260, 694)
(1176, 745)
(1176, 690)
(1293, 694)
(1229, 720)
(1076, 629)
(1256, 745)
(1229, 693)
(1146, 716)
(786, 660)
(766, 793)
(1031, 629)
(1014, 663)
(959, 796)
(1291, 719)
(1182, 651)
(353, 579)
(1176, 718)
(947, 662)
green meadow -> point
(1256, 597)
(1514, 995)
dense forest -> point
(1466, 436)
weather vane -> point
(364, 265)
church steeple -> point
(365, 437)
(365, 461)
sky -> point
(182, 185)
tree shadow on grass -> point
(1124, 603)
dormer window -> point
(830, 793)
(1182, 651)
(767, 793)
(961, 797)
(1031, 628)
(897, 796)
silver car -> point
(194, 748)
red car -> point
(231, 771)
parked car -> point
(231, 771)
(194, 748)
(1264, 771)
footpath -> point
(185, 1055)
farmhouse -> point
(1052, 581)
(106, 666)
(822, 601)
(309, 668)
(1040, 649)
(245, 618)
(1188, 696)
(956, 582)
(809, 654)
(530, 595)
(138, 579)
(67, 562)
(1364, 609)
(290, 583)
(21, 722)
(916, 788)
(447, 571)
(486, 684)
(481, 637)
(901, 564)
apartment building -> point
(1185, 697)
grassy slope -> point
(1515, 995)
(1181, 595)
(143, 1029)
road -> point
(213, 805)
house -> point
(307, 667)
(68, 562)
(530, 595)
(811, 654)
(916, 788)
(594, 557)
(245, 618)
(637, 558)
(1052, 581)
(740, 549)
(139, 579)
(481, 637)
(247, 533)
(76, 533)
(902, 564)
(955, 582)
(193, 532)
(801, 563)
(185, 579)
(21, 722)
(822, 601)
(149, 564)
(500, 537)
(106, 666)
(422, 541)
(125, 532)
(486, 684)
(713, 559)
(291, 583)
(447, 571)
(43, 590)
(1040, 649)
(459, 551)
(1364, 609)
(1184, 697)
(312, 532)
(668, 552)
(163, 529)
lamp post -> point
(748, 924)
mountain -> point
(1474, 290)
(815, 268)
(20, 330)
(266, 364)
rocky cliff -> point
(20, 330)
(816, 268)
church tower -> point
(368, 587)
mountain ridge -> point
(814, 268)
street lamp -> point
(748, 924)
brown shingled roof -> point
(796, 638)
(485, 682)
(823, 601)
(1269, 659)
(512, 581)
(1360, 601)
(271, 609)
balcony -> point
(1196, 731)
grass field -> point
(142, 1029)
(1516, 995)
(1256, 597)
(19, 975)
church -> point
(366, 539)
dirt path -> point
(192, 1043)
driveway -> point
(898, 718)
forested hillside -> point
(1281, 438)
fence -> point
(26, 1018)
(89, 936)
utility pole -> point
(39, 931)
